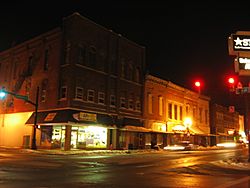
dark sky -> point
(183, 42)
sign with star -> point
(241, 42)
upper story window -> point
(30, 64)
(63, 93)
(170, 116)
(130, 71)
(138, 105)
(200, 114)
(160, 103)
(79, 93)
(137, 75)
(67, 53)
(150, 103)
(44, 90)
(181, 113)
(112, 101)
(122, 68)
(122, 102)
(206, 116)
(130, 104)
(91, 96)
(92, 56)
(101, 98)
(81, 55)
(175, 112)
(46, 60)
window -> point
(181, 113)
(150, 103)
(112, 101)
(160, 105)
(206, 116)
(130, 72)
(44, 90)
(200, 114)
(28, 86)
(91, 96)
(170, 111)
(79, 93)
(175, 112)
(30, 64)
(63, 93)
(138, 105)
(101, 98)
(67, 53)
(137, 75)
(81, 55)
(92, 56)
(130, 104)
(122, 102)
(46, 60)
(122, 68)
(194, 112)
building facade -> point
(226, 125)
(175, 114)
(90, 82)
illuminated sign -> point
(244, 63)
(50, 117)
(241, 42)
(83, 116)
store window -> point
(92, 137)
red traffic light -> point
(197, 83)
(231, 80)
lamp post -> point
(3, 92)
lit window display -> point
(82, 137)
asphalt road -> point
(20, 169)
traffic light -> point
(231, 80)
(2, 94)
(197, 84)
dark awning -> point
(69, 116)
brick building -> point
(174, 113)
(225, 124)
(90, 83)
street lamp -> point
(3, 93)
(188, 123)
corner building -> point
(90, 83)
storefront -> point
(71, 129)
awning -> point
(197, 131)
(69, 116)
(135, 129)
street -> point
(150, 169)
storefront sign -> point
(83, 116)
(179, 128)
(241, 42)
(244, 63)
(50, 116)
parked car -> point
(182, 145)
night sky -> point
(183, 42)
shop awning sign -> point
(50, 117)
(83, 116)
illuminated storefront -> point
(71, 129)
(82, 137)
